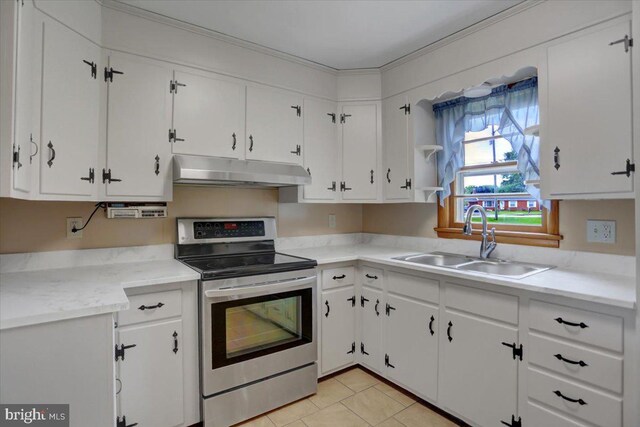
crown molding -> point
(465, 32)
(359, 72)
(176, 23)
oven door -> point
(255, 327)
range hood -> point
(201, 170)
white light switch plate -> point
(599, 231)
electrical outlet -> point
(332, 220)
(599, 231)
(77, 223)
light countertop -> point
(32, 297)
(609, 289)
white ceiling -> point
(338, 34)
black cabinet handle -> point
(233, 146)
(250, 142)
(31, 156)
(150, 307)
(368, 276)
(326, 314)
(371, 180)
(388, 172)
(175, 342)
(449, 331)
(573, 362)
(564, 322)
(376, 307)
(431, 331)
(363, 300)
(568, 399)
(556, 158)
(342, 276)
(157, 167)
(52, 151)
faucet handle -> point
(493, 235)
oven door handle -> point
(270, 287)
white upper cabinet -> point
(321, 149)
(588, 122)
(359, 152)
(208, 115)
(274, 125)
(395, 137)
(138, 126)
(71, 79)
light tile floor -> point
(353, 399)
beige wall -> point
(28, 226)
(419, 220)
(31, 226)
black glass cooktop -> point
(220, 267)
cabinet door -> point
(589, 113)
(152, 374)
(478, 374)
(371, 312)
(138, 122)
(25, 91)
(208, 116)
(359, 152)
(70, 113)
(338, 328)
(321, 152)
(395, 140)
(274, 126)
(411, 348)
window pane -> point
(487, 152)
(493, 183)
(512, 210)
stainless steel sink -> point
(438, 259)
(493, 267)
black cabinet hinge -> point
(333, 117)
(626, 41)
(16, 157)
(297, 151)
(353, 348)
(120, 351)
(343, 186)
(362, 350)
(407, 184)
(388, 309)
(173, 86)
(94, 68)
(363, 300)
(386, 362)
(122, 422)
(353, 301)
(298, 110)
(333, 186)
(514, 422)
(631, 167)
(343, 117)
(173, 136)
(92, 176)
(518, 351)
(109, 72)
(406, 108)
(106, 177)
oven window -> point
(252, 327)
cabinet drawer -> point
(371, 277)
(336, 277)
(577, 362)
(484, 303)
(579, 325)
(539, 416)
(152, 306)
(598, 408)
(422, 288)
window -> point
(490, 178)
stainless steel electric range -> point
(258, 345)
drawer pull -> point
(368, 276)
(562, 321)
(568, 399)
(573, 362)
(150, 307)
(342, 276)
(431, 331)
(449, 331)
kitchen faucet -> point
(485, 247)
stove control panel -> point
(226, 229)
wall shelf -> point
(429, 150)
(430, 193)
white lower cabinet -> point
(338, 328)
(151, 374)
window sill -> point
(509, 237)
